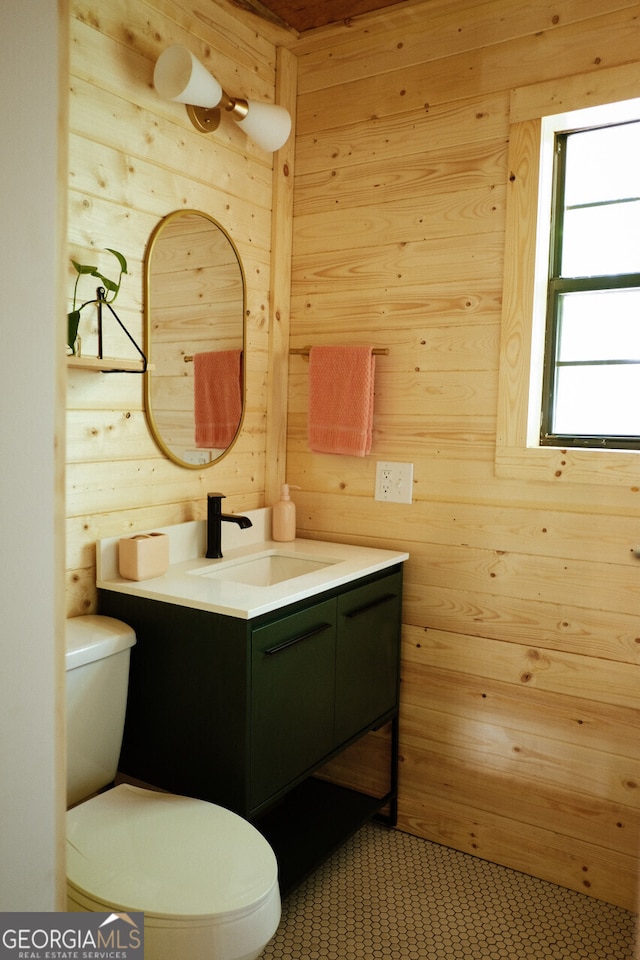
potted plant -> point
(110, 287)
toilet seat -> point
(173, 858)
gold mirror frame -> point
(181, 347)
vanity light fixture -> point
(179, 76)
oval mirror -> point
(194, 290)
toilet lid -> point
(166, 855)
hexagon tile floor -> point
(387, 895)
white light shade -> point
(178, 75)
(267, 124)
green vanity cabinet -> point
(368, 619)
(242, 712)
(292, 697)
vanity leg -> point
(390, 818)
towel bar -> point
(304, 351)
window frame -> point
(559, 284)
(535, 113)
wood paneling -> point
(133, 159)
(521, 655)
(281, 239)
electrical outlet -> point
(394, 482)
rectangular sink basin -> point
(265, 569)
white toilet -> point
(205, 879)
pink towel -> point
(341, 400)
(217, 392)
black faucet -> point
(215, 516)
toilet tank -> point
(97, 672)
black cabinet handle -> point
(303, 636)
(370, 606)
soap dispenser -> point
(283, 519)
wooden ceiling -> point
(306, 14)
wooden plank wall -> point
(520, 726)
(134, 159)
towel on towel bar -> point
(217, 394)
(341, 381)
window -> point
(569, 450)
(591, 381)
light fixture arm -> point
(207, 119)
(235, 107)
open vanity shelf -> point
(316, 817)
(244, 713)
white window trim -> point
(536, 113)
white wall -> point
(31, 447)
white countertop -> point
(187, 547)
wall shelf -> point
(107, 364)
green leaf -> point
(119, 257)
(83, 267)
(73, 319)
(111, 287)
(108, 284)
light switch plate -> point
(394, 481)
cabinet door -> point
(292, 677)
(367, 654)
